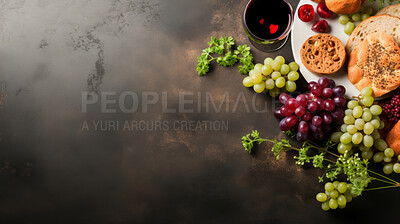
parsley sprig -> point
(223, 48)
(352, 166)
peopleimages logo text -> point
(183, 102)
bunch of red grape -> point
(391, 109)
(312, 114)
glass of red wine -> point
(268, 23)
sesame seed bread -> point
(392, 10)
(382, 23)
(323, 54)
(375, 62)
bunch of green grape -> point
(360, 131)
(348, 20)
(274, 76)
(337, 195)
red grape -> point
(311, 84)
(326, 118)
(339, 90)
(316, 90)
(317, 136)
(291, 121)
(316, 121)
(321, 105)
(284, 97)
(329, 104)
(292, 104)
(320, 26)
(323, 82)
(340, 101)
(300, 111)
(302, 99)
(327, 92)
(285, 111)
(303, 127)
(306, 12)
(306, 117)
(277, 114)
(323, 11)
(314, 128)
(338, 114)
(312, 106)
(301, 137)
(332, 83)
(283, 126)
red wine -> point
(268, 19)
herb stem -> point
(393, 181)
(379, 188)
(384, 181)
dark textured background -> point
(53, 172)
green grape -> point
(341, 207)
(378, 157)
(276, 66)
(349, 186)
(341, 200)
(376, 110)
(259, 87)
(293, 66)
(329, 187)
(368, 141)
(268, 61)
(363, 148)
(267, 70)
(398, 158)
(274, 92)
(252, 72)
(352, 104)
(349, 27)
(248, 82)
(325, 206)
(367, 91)
(343, 148)
(367, 116)
(366, 109)
(293, 76)
(280, 59)
(275, 75)
(357, 138)
(368, 10)
(343, 127)
(344, 19)
(334, 194)
(335, 137)
(376, 117)
(367, 155)
(389, 153)
(257, 78)
(348, 196)
(280, 82)
(356, 17)
(285, 69)
(381, 145)
(269, 84)
(333, 203)
(342, 187)
(348, 120)
(335, 184)
(381, 125)
(258, 67)
(359, 123)
(291, 86)
(367, 101)
(396, 168)
(375, 123)
(321, 197)
(387, 159)
(351, 129)
(368, 128)
(376, 135)
(357, 111)
(364, 16)
(345, 138)
(388, 168)
(348, 112)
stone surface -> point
(55, 169)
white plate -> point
(301, 31)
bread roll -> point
(343, 6)
(393, 139)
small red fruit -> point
(320, 26)
(323, 11)
(306, 13)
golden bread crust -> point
(343, 6)
(393, 139)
